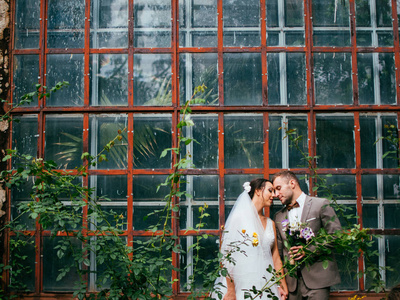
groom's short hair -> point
(289, 175)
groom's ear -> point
(292, 183)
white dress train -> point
(250, 268)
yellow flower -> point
(255, 234)
(243, 230)
(255, 242)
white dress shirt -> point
(294, 214)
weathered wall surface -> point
(4, 92)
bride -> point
(251, 262)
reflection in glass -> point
(331, 23)
(66, 23)
(52, 265)
(241, 23)
(204, 152)
(342, 186)
(104, 129)
(335, 141)
(282, 153)
(152, 79)
(146, 199)
(199, 30)
(21, 195)
(197, 69)
(286, 78)
(391, 190)
(243, 141)
(26, 73)
(27, 24)
(376, 78)
(64, 140)
(109, 23)
(370, 213)
(332, 78)
(285, 23)
(24, 137)
(109, 79)
(203, 190)
(242, 79)
(152, 23)
(152, 134)
(72, 71)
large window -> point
(328, 68)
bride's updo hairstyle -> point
(257, 184)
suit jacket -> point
(317, 214)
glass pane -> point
(152, 23)
(63, 140)
(368, 136)
(392, 254)
(341, 186)
(147, 199)
(21, 195)
(26, 76)
(24, 137)
(22, 259)
(374, 23)
(243, 142)
(366, 86)
(332, 78)
(370, 215)
(197, 69)
(348, 268)
(52, 265)
(204, 192)
(387, 78)
(242, 23)
(285, 23)
(152, 134)
(112, 187)
(242, 72)
(27, 24)
(204, 152)
(335, 141)
(109, 79)
(391, 190)
(369, 187)
(198, 23)
(281, 152)
(72, 71)
(286, 78)
(104, 129)
(109, 23)
(389, 124)
(66, 23)
(152, 79)
(392, 221)
(208, 251)
(331, 23)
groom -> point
(313, 282)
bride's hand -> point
(229, 296)
(284, 294)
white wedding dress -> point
(250, 268)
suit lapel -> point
(306, 209)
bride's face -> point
(268, 194)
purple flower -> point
(285, 224)
(306, 233)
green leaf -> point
(325, 264)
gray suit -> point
(317, 214)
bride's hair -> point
(257, 184)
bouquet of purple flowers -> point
(297, 234)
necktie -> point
(289, 207)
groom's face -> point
(283, 190)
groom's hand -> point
(297, 252)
